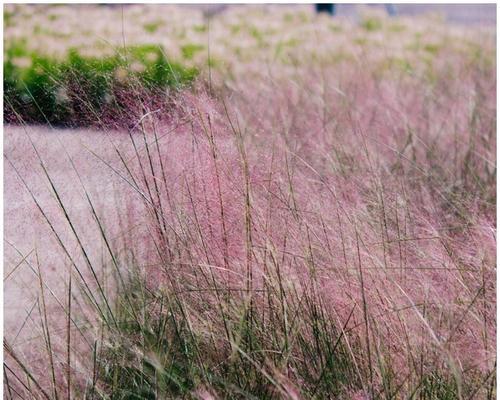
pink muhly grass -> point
(275, 221)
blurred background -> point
(455, 13)
(57, 56)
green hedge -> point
(76, 89)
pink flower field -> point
(312, 216)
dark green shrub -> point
(78, 90)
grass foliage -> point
(78, 89)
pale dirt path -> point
(25, 230)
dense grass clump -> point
(263, 271)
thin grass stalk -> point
(46, 330)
